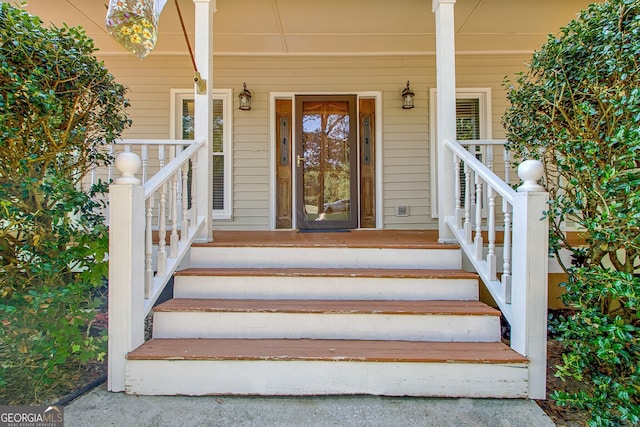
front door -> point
(326, 162)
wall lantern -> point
(407, 97)
(245, 98)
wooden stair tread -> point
(399, 239)
(330, 272)
(427, 307)
(325, 350)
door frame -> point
(272, 152)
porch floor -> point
(361, 238)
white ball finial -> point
(128, 164)
(530, 172)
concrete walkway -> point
(101, 408)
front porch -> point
(390, 289)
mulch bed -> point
(562, 416)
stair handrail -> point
(518, 284)
(165, 149)
(140, 265)
(486, 147)
(154, 154)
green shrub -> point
(577, 109)
(58, 107)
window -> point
(468, 128)
(473, 121)
(467, 118)
(183, 112)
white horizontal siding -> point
(406, 157)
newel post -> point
(126, 267)
(530, 275)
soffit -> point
(355, 27)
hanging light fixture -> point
(407, 97)
(245, 98)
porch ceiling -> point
(356, 27)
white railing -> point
(154, 155)
(514, 269)
(485, 151)
(151, 230)
(500, 163)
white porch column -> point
(203, 104)
(446, 105)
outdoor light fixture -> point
(245, 98)
(407, 97)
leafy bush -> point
(577, 109)
(58, 107)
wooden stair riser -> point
(447, 328)
(293, 287)
(324, 257)
(311, 377)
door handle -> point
(299, 159)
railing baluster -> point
(173, 241)
(506, 256)
(458, 196)
(467, 203)
(172, 195)
(489, 154)
(194, 190)
(184, 228)
(161, 157)
(180, 200)
(491, 234)
(148, 270)
(473, 198)
(144, 154)
(478, 205)
(162, 232)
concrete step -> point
(326, 283)
(324, 367)
(327, 319)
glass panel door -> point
(326, 162)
